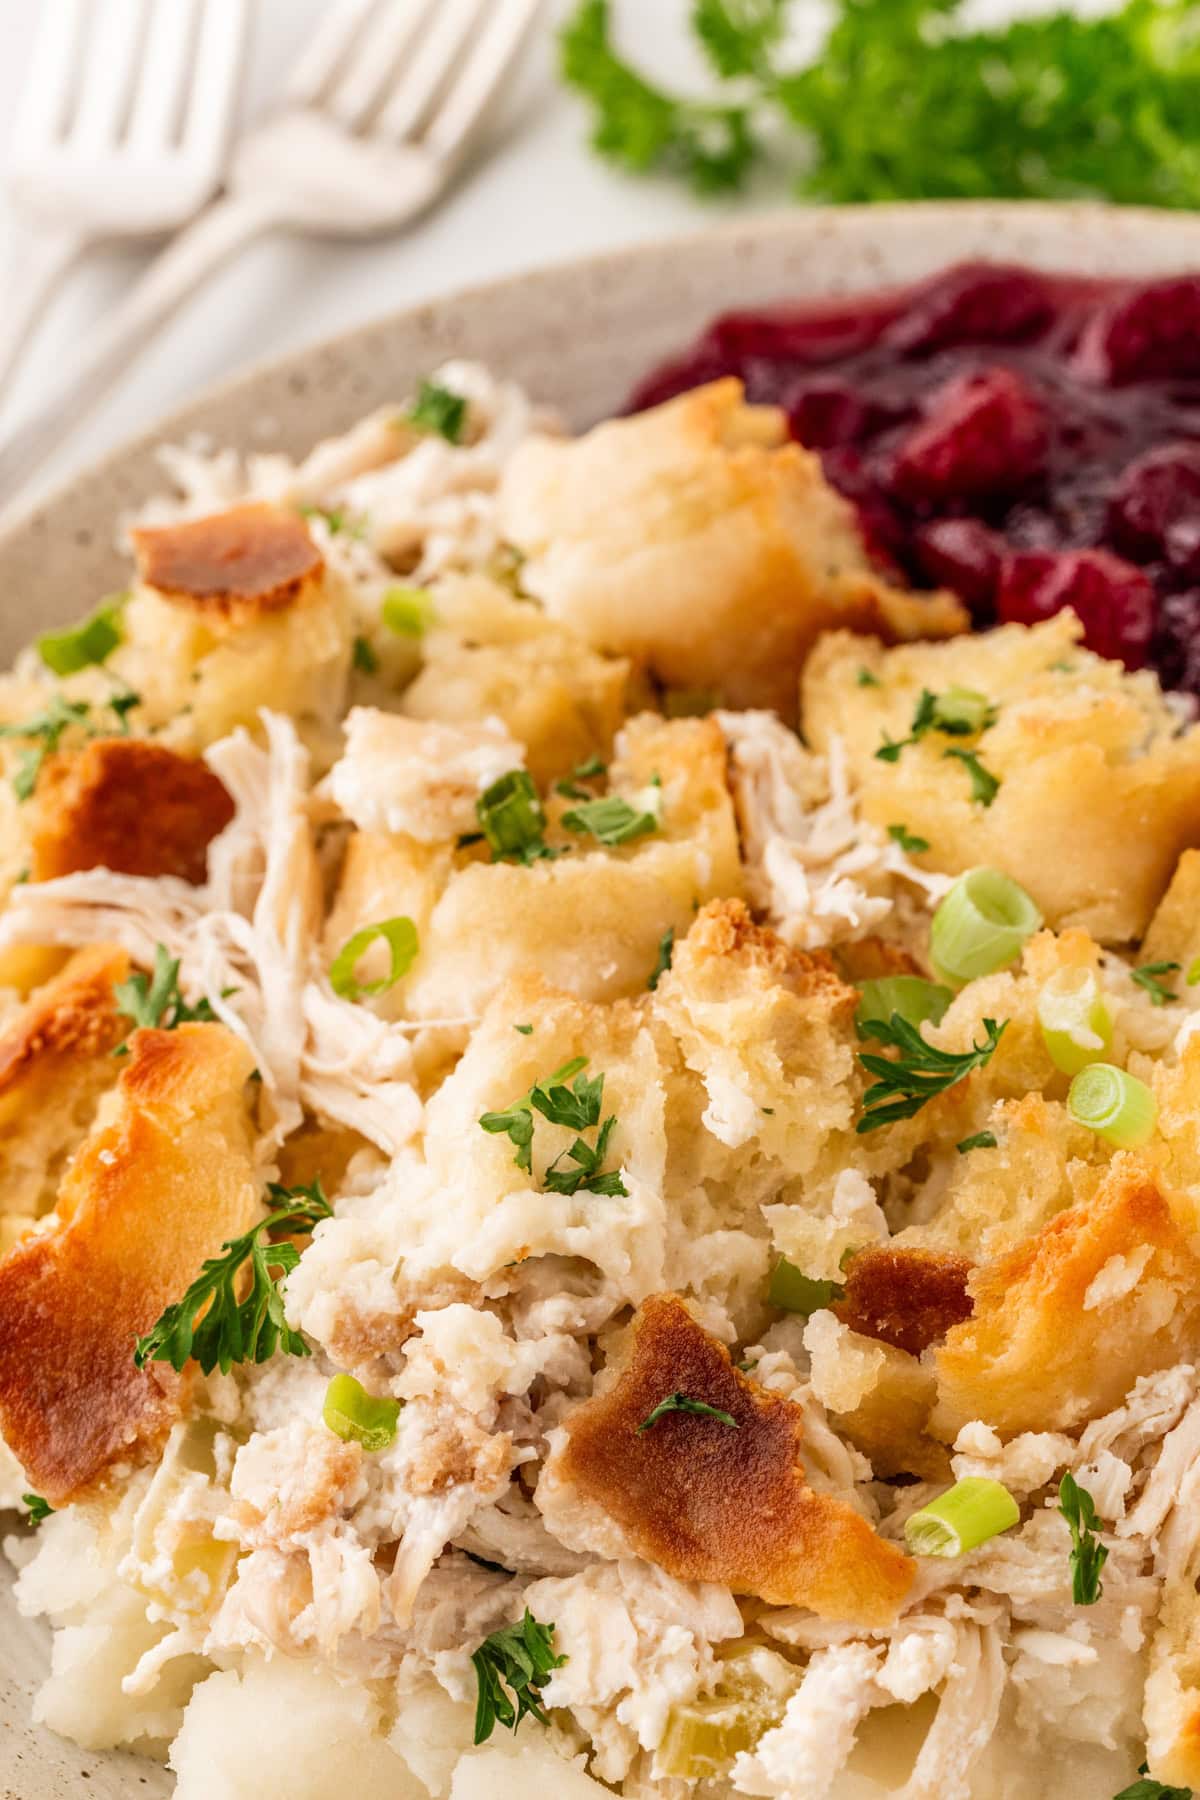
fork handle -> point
(172, 278)
(41, 259)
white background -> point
(536, 195)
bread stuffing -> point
(600, 1130)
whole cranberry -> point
(1154, 511)
(824, 410)
(1113, 600)
(983, 434)
(1147, 333)
(964, 555)
(975, 303)
(1175, 651)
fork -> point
(121, 131)
(378, 117)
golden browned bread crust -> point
(161, 1182)
(907, 1298)
(1066, 1322)
(72, 1016)
(708, 1503)
(128, 805)
(252, 559)
(727, 929)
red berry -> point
(975, 303)
(1113, 600)
(1154, 512)
(983, 434)
(964, 555)
(1148, 333)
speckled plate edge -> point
(577, 335)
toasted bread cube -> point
(127, 805)
(707, 1501)
(697, 540)
(165, 1177)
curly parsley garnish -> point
(1149, 1789)
(44, 729)
(904, 1085)
(511, 1667)
(1147, 977)
(578, 1108)
(984, 785)
(683, 1403)
(234, 1330)
(1088, 1554)
(439, 410)
(155, 1000)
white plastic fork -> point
(379, 115)
(121, 131)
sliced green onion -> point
(981, 926)
(408, 611)
(354, 1416)
(1076, 1026)
(400, 936)
(793, 1291)
(93, 640)
(1114, 1104)
(909, 995)
(966, 1515)
(962, 712)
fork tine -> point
(48, 94)
(215, 76)
(424, 77)
(158, 102)
(476, 85)
(321, 62)
(389, 33)
(111, 49)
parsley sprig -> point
(578, 1108)
(511, 1668)
(903, 102)
(155, 1000)
(1147, 977)
(904, 1085)
(250, 1328)
(1088, 1554)
(683, 1403)
(1149, 1789)
(439, 410)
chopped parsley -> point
(511, 1668)
(919, 1073)
(44, 729)
(513, 819)
(252, 1328)
(666, 949)
(1088, 1554)
(365, 659)
(611, 821)
(959, 712)
(590, 769)
(683, 1403)
(1147, 977)
(982, 1140)
(909, 842)
(525, 1030)
(155, 1000)
(984, 785)
(90, 642)
(865, 678)
(1149, 1789)
(37, 1508)
(577, 1108)
(439, 410)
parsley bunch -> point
(252, 1328)
(578, 1108)
(511, 1667)
(903, 101)
(905, 1084)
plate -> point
(578, 336)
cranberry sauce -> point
(1031, 441)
